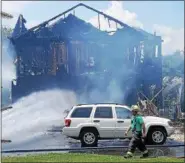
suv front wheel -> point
(89, 138)
(156, 136)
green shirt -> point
(136, 122)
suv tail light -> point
(67, 122)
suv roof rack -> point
(100, 103)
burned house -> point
(72, 54)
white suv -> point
(92, 122)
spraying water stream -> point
(31, 116)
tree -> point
(173, 65)
(173, 73)
(6, 15)
(6, 32)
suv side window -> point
(103, 112)
(82, 112)
(123, 113)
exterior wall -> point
(68, 59)
(152, 71)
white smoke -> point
(33, 115)
(117, 10)
(113, 94)
(8, 68)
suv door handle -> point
(120, 121)
(96, 121)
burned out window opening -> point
(128, 53)
(77, 60)
(142, 52)
(132, 55)
(135, 55)
(156, 51)
(21, 65)
(61, 57)
(90, 64)
(67, 60)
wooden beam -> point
(74, 7)
(109, 23)
(99, 21)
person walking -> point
(138, 132)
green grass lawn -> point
(67, 157)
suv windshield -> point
(82, 112)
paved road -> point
(57, 140)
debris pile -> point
(148, 108)
(178, 135)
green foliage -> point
(6, 32)
(6, 15)
(173, 65)
(5, 97)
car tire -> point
(156, 136)
(89, 138)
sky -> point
(166, 18)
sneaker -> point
(145, 155)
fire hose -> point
(85, 148)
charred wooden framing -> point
(61, 54)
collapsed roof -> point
(72, 27)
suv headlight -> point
(170, 123)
